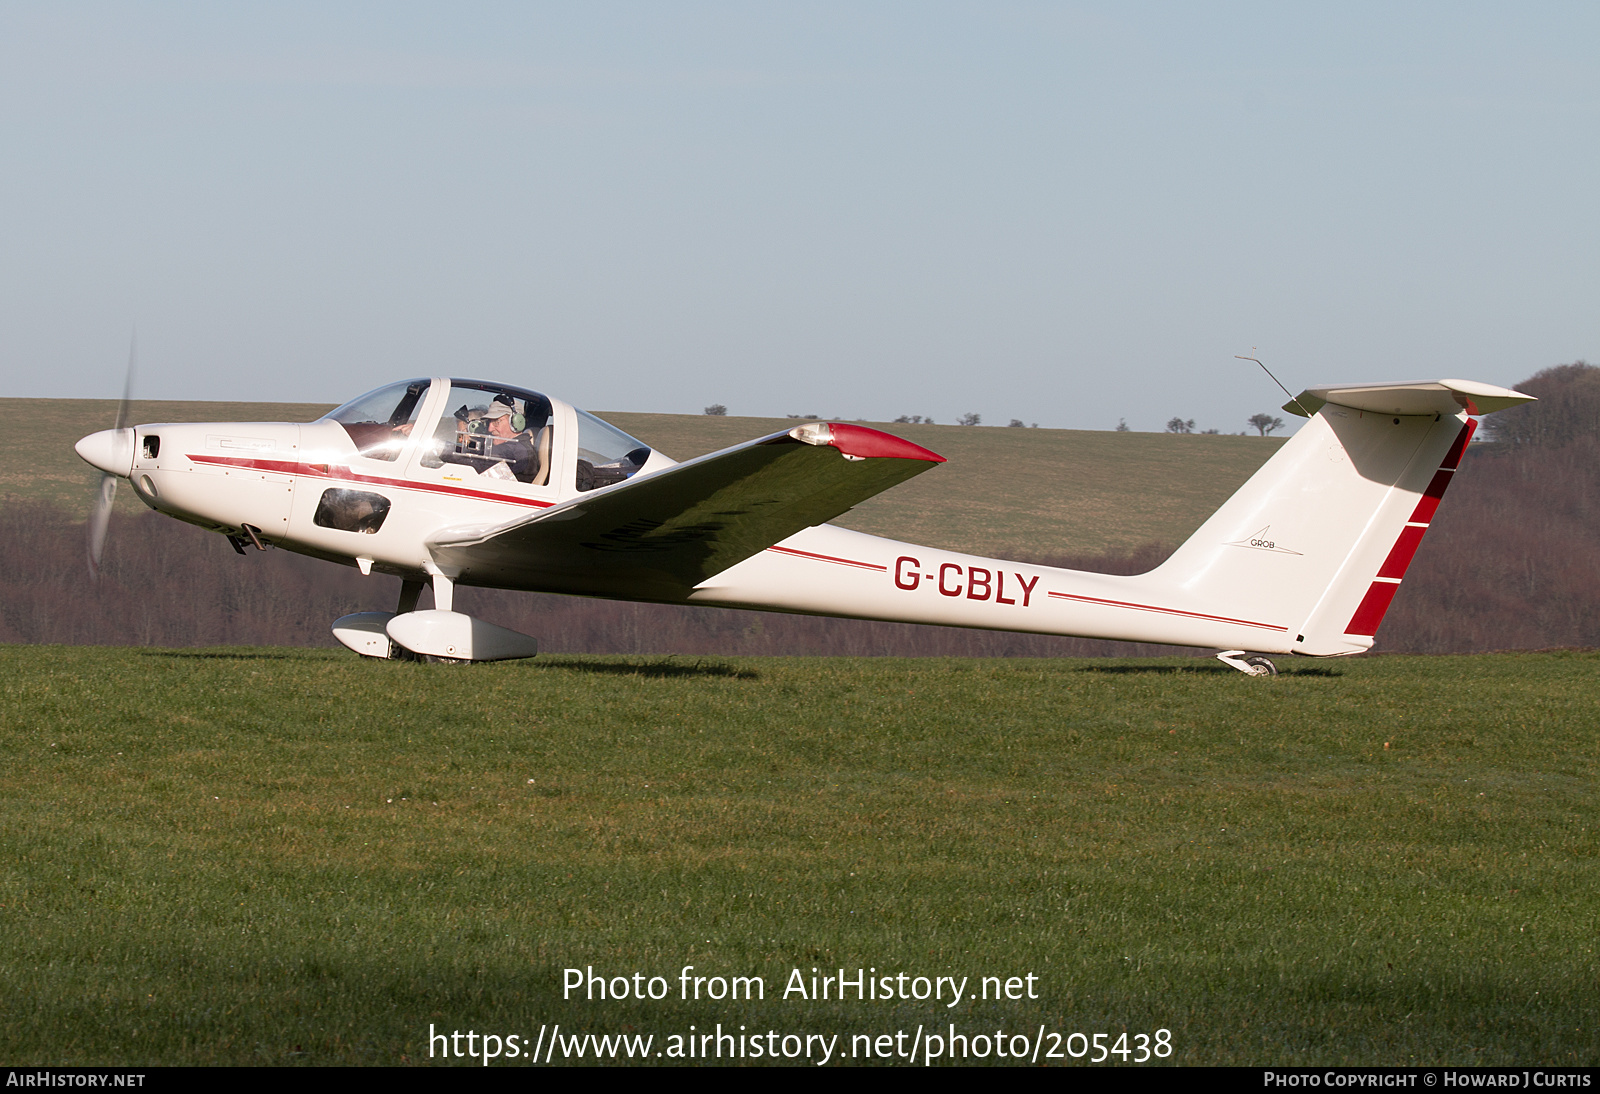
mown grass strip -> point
(275, 855)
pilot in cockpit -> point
(508, 441)
(494, 441)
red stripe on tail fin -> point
(1429, 505)
(1404, 548)
(1452, 459)
(1373, 605)
(1370, 613)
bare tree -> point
(1265, 423)
(1568, 409)
(1178, 425)
(1122, 425)
(969, 419)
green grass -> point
(1004, 491)
(268, 856)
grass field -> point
(1033, 492)
(275, 856)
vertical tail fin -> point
(1320, 537)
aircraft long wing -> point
(658, 536)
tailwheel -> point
(1249, 664)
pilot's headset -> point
(504, 406)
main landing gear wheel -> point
(1250, 665)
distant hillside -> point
(1030, 492)
(1027, 492)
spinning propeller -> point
(114, 448)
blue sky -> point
(1065, 213)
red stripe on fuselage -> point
(1166, 611)
(282, 467)
(344, 474)
(829, 558)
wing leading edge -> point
(659, 536)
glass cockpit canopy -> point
(499, 431)
(508, 433)
(380, 421)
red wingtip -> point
(859, 440)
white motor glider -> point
(462, 482)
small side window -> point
(351, 511)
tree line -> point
(1263, 424)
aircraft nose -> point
(111, 450)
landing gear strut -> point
(1249, 664)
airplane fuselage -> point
(512, 489)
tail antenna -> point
(1292, 398)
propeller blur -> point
(114, 444)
